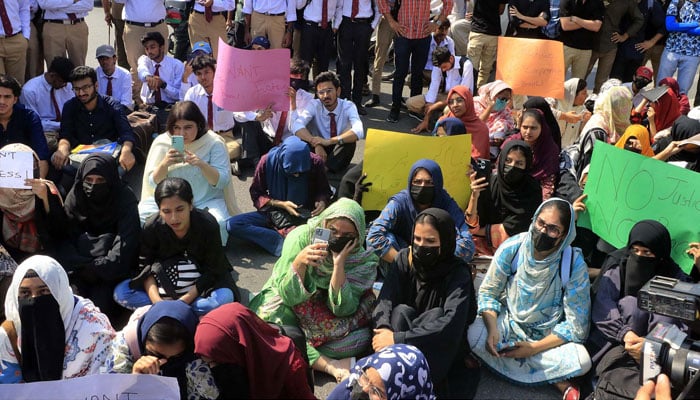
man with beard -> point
(337, 125)
(90, 117)
(161, 74)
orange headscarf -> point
(639, 132)
(476, 127)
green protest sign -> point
(624, 188)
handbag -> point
(320, 325)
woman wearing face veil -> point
(393, 229)
(50, 334)
(428, 301)
(102, 231)
(619, 326)
(534, 304)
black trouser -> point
(255, 141)
(353, 45)
(316, 44)
(339, 156)
(413, 52)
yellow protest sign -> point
(389, 155)
(532, 67)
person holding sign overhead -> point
(337, 126)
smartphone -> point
(505, 347)
(178, 143)
(482, 167)
(321, 235)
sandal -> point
(571, 393)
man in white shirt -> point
(438, 38)
(46, 94)
(271, 18)
(450, 69)
(208, 21)
(189, 79)
(35, 52)
(140, 17)
(218, 120)
(14, 33)
(160, 73)
(317, 33)
(337, 126)
(65, 29)
(113, 80)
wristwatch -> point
(340, 140)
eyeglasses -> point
(82, 88)
(325, 92)
(373, 390)
(552, 230)
(455, 100)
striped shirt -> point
(414, 14)
(182, 276)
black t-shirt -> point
(529, 8)
(582, 39)
(486, 18)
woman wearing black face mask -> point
(619, 326)
(102, 231)
(428, 301)
(501, 204)
(534, 304)
(393, 229)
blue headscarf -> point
(292, 156)
(403, 369)
(452, 125)
(406, 210)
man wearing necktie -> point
(113, 80)
(14, 15)
(317, 33)
(208, 21)
(65, 30)
(337, 126)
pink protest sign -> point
(248, 80)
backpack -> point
(462, 60)
(553, 28)
(567, 257)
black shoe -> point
(387, 78)
(403, 103)
(360, 110)
(393, 115)
(415, 116)
(365, 90)
(372, 102)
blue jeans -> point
(134, 298)
(686, 65)
(413, 52)
(255, 227)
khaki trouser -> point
(417, 103)
(201, 30)
(232, 145)
(134, 50)
(60, 39)
(459, 32)
(118, 24)
(605, 63)
(482, 53)
(13, 56)
(578, 60)
(384, 37)
(272, 26)
(35, 55)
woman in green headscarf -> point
(325, 288)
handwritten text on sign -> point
(15, 167)
(248, 80)
(96, 387)
(624, 188)
(389, 156)
(532, 67)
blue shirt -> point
(25, 127)
(684, 43)
(106, 121)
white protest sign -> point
(97, 387)
(15, 167)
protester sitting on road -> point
(289, 186)
(535, 305)
(545, 153)
(101, 239)
(493, 106)
(58, 335)
(325, 288)
(399, 371)
(569, 112)
(249, 358)
(428, 301)
(159, 339)
(461, 104)
(668, 148)
(611, 115)
(180, 256)
(204, 163)
(392, 230)
(501, 204)
(539, 103)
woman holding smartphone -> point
(203, 162)
(322, 283)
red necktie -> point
(6, 24)
(334, 128)
(355, 8)
(324, 17)
(72, 16)
(56, 108)
(280, 128)
(157, 73)
(210, 113)
(109, 85)
(208, 14)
